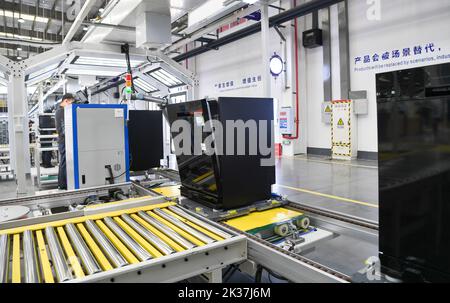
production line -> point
(146, 243)
(296, 240)
(124, 231)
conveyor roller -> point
(80, 247)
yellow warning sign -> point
(340, 122)
(328, 109)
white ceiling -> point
(126, 17)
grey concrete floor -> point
(347, 187)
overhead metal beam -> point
(96, 68)
(178, 70)
(210, 28)
(106, 25)
(298, 11)
(12, 43)
(5, 64)
(31, 33)
(164, 90)
(36, 10)
(79, 20)
(60, 53)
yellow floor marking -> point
(330, 162)
(329, 196)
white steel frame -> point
(17, 103)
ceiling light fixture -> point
(80, 72)
(165, 78)
(24, 17)
(21, 20)
(19, 49)
(148, 88)
(105, 62)
(47, 71)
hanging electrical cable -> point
(126, 50)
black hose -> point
(258, 274)
(271, 273)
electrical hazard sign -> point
(326, 112)
(342, 134)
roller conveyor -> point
(103, 246)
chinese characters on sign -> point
(397, 53)
(245, 82)
(401, 56)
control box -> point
(96, 145)
(312, 38)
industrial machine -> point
(146, 239)
(46, 150)
(414, 173)
(96, 145)
(235, 191)
(145, 132)
(54, 203)
(227, 179)
(150, 230)
(295, 240)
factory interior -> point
(225, 141)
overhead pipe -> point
(296, 12)
(297, 98)
(79, 20)
(106, 25)
(25, 42)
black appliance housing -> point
(145, 137)
(47, 121)
(225, 181)
(414, 173)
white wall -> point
(402, 23)
(235, 62)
